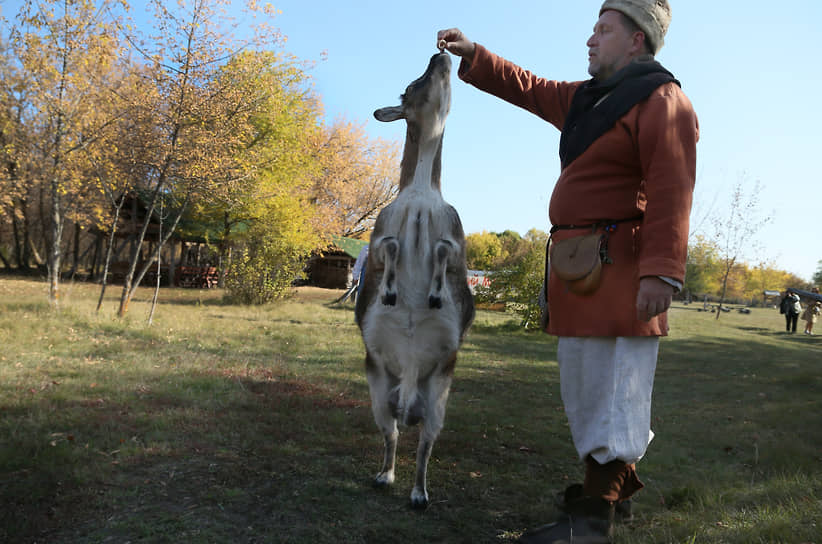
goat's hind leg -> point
(380, 386)
(443, 250)
(389, 252)
(436, 395)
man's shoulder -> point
(668, 101)
(670, 91)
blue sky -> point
(751, 70)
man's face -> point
(610, 47)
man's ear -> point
(639, 44)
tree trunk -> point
(75, 251)
(19, 245)
(33, 253)
(109, 250)
(55, 240)
(95, 257)
(724, 291)
(159, 268)
(224, 250)
(137, 245)
(22, 236)
(28, 243)
(165, 239)
(128, 291)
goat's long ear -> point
(391, 113)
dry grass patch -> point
(222, 423)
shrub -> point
(520, 283)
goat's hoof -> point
(383, 480)
(419, 500)
(389, 299)
(435, 302)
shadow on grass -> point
(268, 457)
(114, 464)
(274, 456)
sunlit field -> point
(223, 423)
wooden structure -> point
(202, 277)
(188, 259)
(332, 269)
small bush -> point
(520, 283)
(262, 273)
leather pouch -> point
(578, 262)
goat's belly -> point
(397, 337)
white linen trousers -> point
(606, 386)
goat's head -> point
(426, 101)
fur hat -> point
(651, 16)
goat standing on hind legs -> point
(415, 305)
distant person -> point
(628, 165)
(811, 313)
(791, 307)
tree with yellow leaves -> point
(273, 201)
(202, 117)
(483, 250)
(358, 177)
(66, 50)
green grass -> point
(222, 423)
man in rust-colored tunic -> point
(628, 153)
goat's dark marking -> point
(417, 229)
(443, 250)
(390, 298)
(392, 247)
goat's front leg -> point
(379, 387)
(443, 250)
(389, 252)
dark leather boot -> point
(622, 510)
(589, 520)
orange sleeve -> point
(549, 100)
(667, 137)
